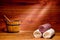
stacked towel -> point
(49, 33)
(44, 31)
(44, 27)
(37, 33)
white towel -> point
(37, 34)
(49, 33)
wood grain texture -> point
(25, 36)
(20, 12)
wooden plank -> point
(25, 36)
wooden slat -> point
(25, 36)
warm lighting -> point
(35, 16)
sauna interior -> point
(30, 15)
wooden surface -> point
(28, 22)
(25, 36)
(30, 14)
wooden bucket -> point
(13, 26)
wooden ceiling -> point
(18, 2)
(10, 2)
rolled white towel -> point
(37, 34)
(49, 33)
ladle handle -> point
(7, 18)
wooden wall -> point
(21, 12)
